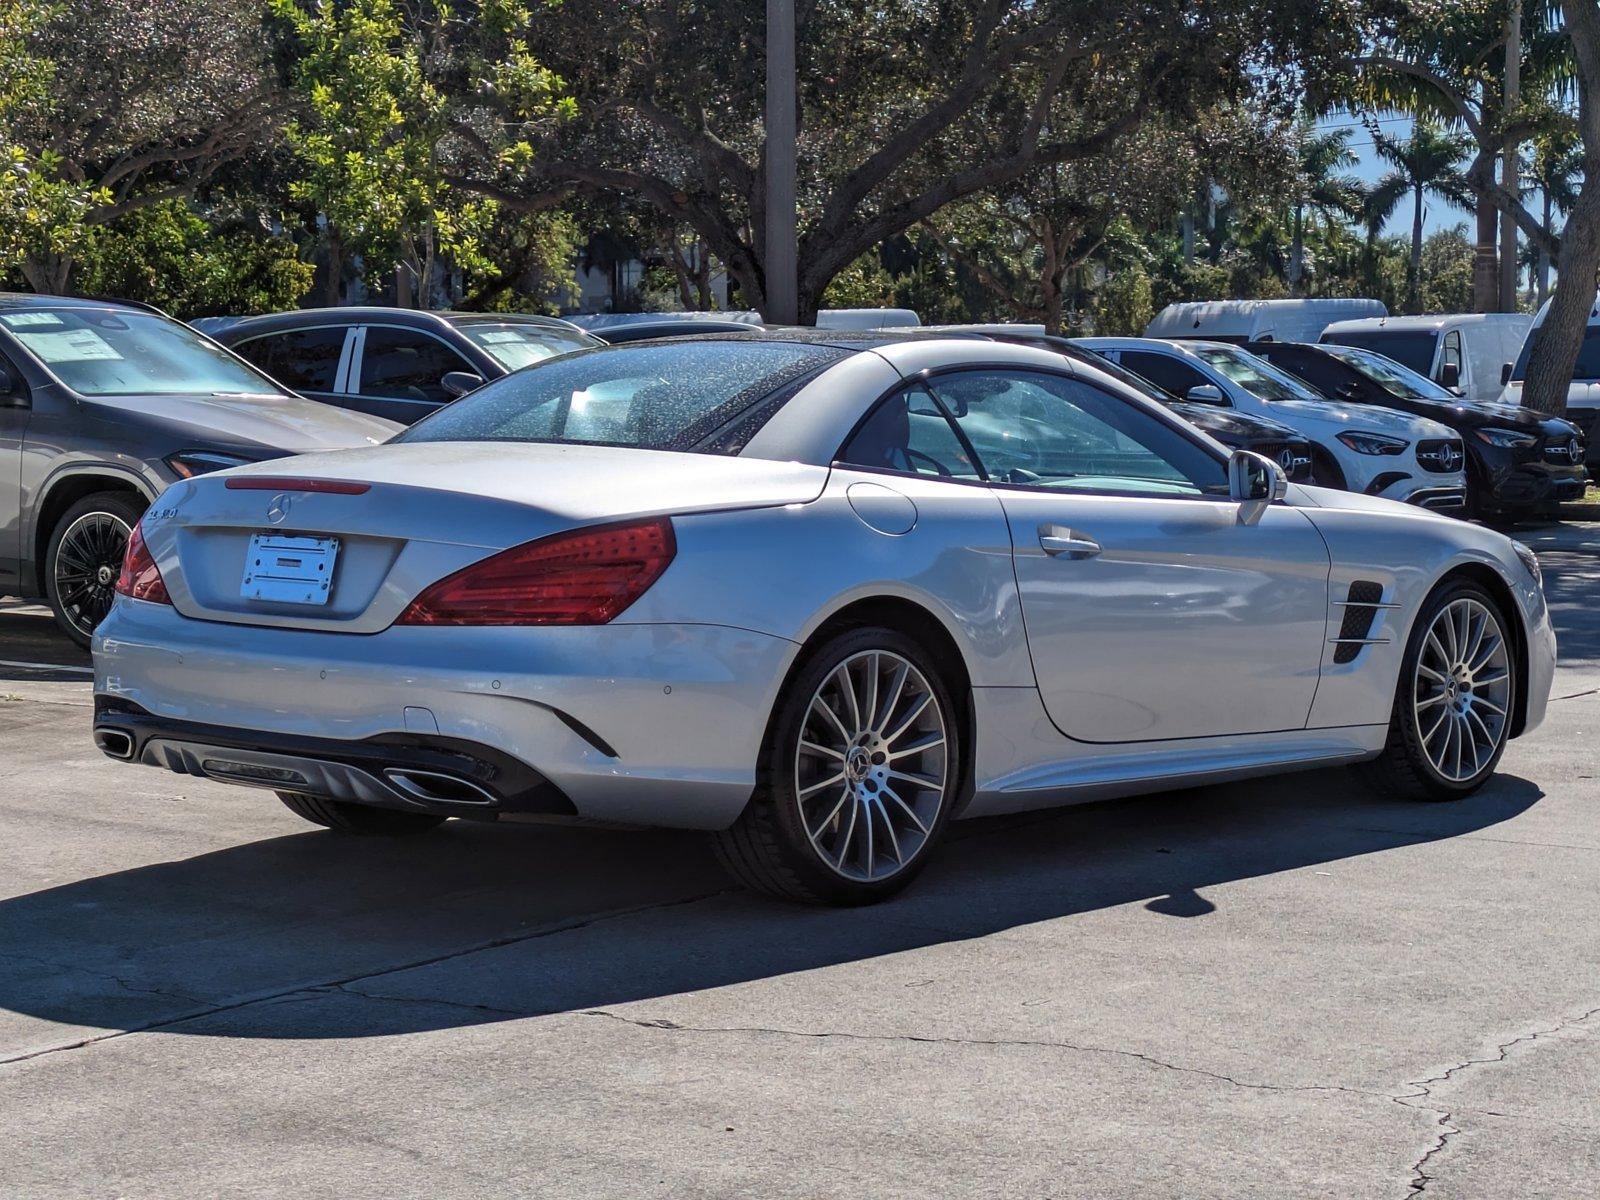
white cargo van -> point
(1242, 321)
(1467, 352)
(867, 318)
(1583, 397)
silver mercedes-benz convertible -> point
(819, 594)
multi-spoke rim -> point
(871, 766)
(1462, 689)
(88, 560)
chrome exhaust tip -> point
(432, 787)
(115, 743)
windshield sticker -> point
(76, 345)
(26, 320)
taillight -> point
(586, 577)
(140, 577)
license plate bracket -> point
(289, 570)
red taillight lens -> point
(581, 578)
(140, 577)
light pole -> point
(782, 251)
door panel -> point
(14, 414)
(1185, 623)
(401, 373)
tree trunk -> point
(1414, 301)
(1558, 340)
(1486, 258)
(1297, 251)
(48, 274)
(333, 281)
(1541, 273)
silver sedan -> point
(818, 594)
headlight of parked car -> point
(1373, 443)
(1506, 439)
(186, 464)
(1529, 560)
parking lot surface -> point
(1284, 987)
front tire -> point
(861, 769)
(1453, 704)
(84, 558)
(359, 819)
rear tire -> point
(861, 768)
(1454, 700)
(360, 819)
(84, 558)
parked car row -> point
(108, 404)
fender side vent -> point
(1361, 607)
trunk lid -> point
(423, 511)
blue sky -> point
(1439, 213)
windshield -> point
(1411, 348)
(1255, 375)
(116, 352)
(653, 396)
(515, 346)
(1392, 376)
(1588, 368)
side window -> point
(402, 364)
(1170, 373)
(1049, 431)
(306, 360)
(908, 432)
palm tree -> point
(1428, 161)
(1318, 188)
(1374, 206)
(1558, 175)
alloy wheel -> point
(88, 561)
(871, 766)
(1462, 689)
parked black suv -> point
(1518, 461)
(393, 362)
(104, 405)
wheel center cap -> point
(103, 576)
(857, 764)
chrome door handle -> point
(1058, 540)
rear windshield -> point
(1393, 376)
(1410, 348)
(1255, 375)
(659, 396)
(1588, 367)
(116, 352)
(515, 346)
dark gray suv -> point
(104, 405)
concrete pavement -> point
(1282, 988)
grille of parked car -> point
(1442, 455)
(1295, 460)
(1567, 451)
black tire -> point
(769, 849)
(81, 600)
(1404, 770)
(360, 819)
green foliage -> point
(172, 256)
(1124, 303)
(1447, 271)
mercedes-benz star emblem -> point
(278, 509)
(1286, 460)
(1574, 449)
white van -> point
(1583, 397)
(1240, 321)
(1466, 352)
(868, 318)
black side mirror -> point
(1505, 374)
(459, 383)
(1450, 375)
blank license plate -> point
(289, 570)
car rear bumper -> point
(642, 724)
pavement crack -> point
(1448, 1129)
(309, 990)
(433, 1001)
(1022, 1043)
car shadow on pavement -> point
(474, 924)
